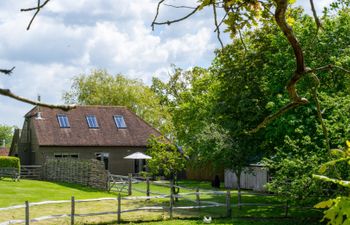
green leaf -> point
(324, 204)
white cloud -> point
(72, 37)
(69, 38)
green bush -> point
(9, 161)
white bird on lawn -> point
(207, 220)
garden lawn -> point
(15, 193)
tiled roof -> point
(49, 133)
(4, 151)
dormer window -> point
(119, 121)
(92, 121)
(63, 121)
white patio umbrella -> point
(138, 155)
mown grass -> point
(14, 193)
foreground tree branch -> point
(296, 100)
(8, 93)
(314, 13)
(217, 29)
(280, 17)
(6, 71)
(171, 21)
(300, 72)
(36, 9)
(272, 117)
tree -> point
(217, 145)
(212, 109)
(6, 133)
(240, 15)
(167, 158)
(101, 88)
(187, 96)
(203, 104)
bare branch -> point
(328, 67)
(317, 20)
(319, 113)
(171, 21)
(8, 93)
(277, 114)
(217, 25)
(157, 13)
(37, 10)
(179, 6)
(7, 72)
(241, 38)
(222, 20)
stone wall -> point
(77, 171)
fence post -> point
(228, 204)
(147, 190)
(119, 209)
(130, 184)
(198, 199)
(108, 182)
(72, 212)
(171, 199)
(197, 196)
(27, 212)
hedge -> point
(9, 161)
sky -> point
(70, 38)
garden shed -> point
(254, 177)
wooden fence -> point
(119, 211)
(126, 184)
(31, 171)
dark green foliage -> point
(212, 109)
(10, 162)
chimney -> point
(38, 114)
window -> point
(66, 155)
(63, 121)
(92, 121)
(119, 121)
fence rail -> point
(127, 182)
(118, 212)
(31, 171)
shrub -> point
(9, 161)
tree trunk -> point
(238, 175)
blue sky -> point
(69, 38)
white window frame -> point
(116, 121)
(63, 121)
(92, 120)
